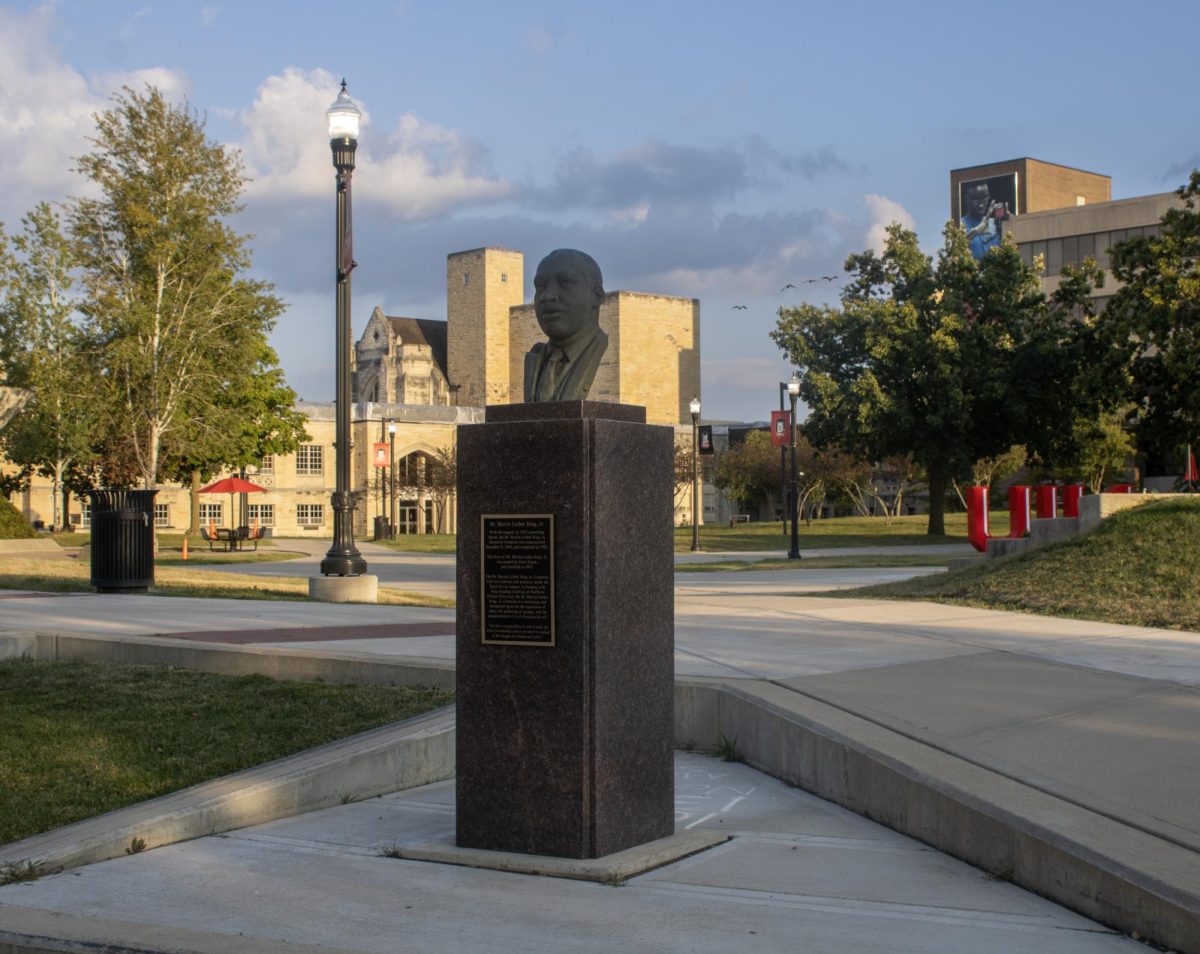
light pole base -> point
(344, 589)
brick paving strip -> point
(312, 634)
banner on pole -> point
(781, 428)
(381, 454)
(706, 440)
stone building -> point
(476, 357)
(426, 376)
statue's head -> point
(567, 294)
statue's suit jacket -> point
(580, 372)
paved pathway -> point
(800, 874)
(1100, 715)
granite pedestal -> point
(565, 655)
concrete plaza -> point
(1039, 726)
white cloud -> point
(883, 212)
(47, 110)
(418, 170)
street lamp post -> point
(793, 389)
(392, 480)
(343, 558)
(695, 409)
(783, 511)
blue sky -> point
(700, 149)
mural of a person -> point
(978, 219)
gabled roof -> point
(423, 331)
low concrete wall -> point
(389, 759)
(1106, 870)
(1044, 531)
(1096, 507)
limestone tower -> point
(481, 286)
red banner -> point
(381, 455)
(781, 428)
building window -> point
(267, 465)
(504, 278)
(262, 514)
(310, 515)
(85, 515)
(310, 460)
(466, 278)
(162, 515)
(211, 513)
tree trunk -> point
(937, 502)
(194, 516)
(66, 508)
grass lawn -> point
(816, 563)
(421, 543)
(834, 532)
(1140, 567)
(72, 576)
(81, 739)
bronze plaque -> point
(517, 599)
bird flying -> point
(739, 307)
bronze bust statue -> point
(568, 290)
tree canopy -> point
(1153, 324)
(47, 352)
(180, 332)
(946, 359)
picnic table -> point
(232, 538)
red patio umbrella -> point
(231, 486)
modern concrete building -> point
(1070, 235)
(1036, 185)
(1060, 214)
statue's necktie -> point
(556, 367)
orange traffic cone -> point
(183, 556)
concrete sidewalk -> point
(1040, 725)
(799, 874)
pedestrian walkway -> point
(799, 874)
(1089, 722)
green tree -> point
(48, 353)
(749, 471)
(1100, 448)
(177, 325)
(947, 360)
(254, 415)
(1153, 324)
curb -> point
(1108, 871)
(388, 759)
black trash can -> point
(122, 540)
(381, 528)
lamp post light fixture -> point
(343, 558)
(392, 480)
(793, 390)
(694, 407)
